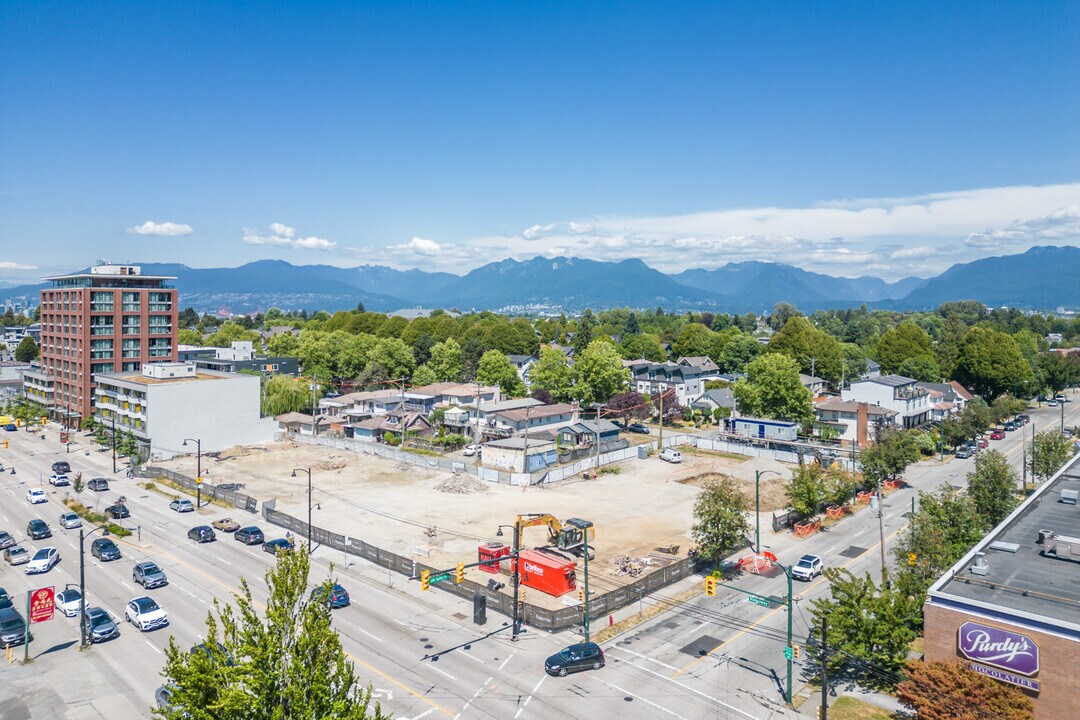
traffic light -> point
(581, 595)
(5, 444)
(425, 579)
(796, 649)
(710, 586)
(459, 573)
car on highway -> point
(997, 435)
(1060, 397)
(5, 599)
(964, 452)
(149, 575)
(1010, 426)
(145, 614)
(249, 536)
(1023, 419)
(59, 480)
(638, 428)
(118, 511)
(100, 625)
(16, 555)
(1051, 403)
(182, 506)
(277, 545)
(69, 601)
(982, 443)
(12, 628)
(70, 521)
(671, 455)
(577, 657)
(163, 698)
(471, 450)
(339, 596)
(38, 529)
(6, 540)
(202, 534)
(43, 561)
(808, 567)
(61, 466)
(104, 549)
(98, 485)
(227, 525)
(36, 496)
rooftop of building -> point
(138, 377)
(1014, 570)
(535, 412)
(890, 380)
(835, 404)
(535, 442)
(108, 272)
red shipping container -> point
(547, 573)
(492, 551)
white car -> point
(671, 455)
(43, 561)
(70, 521)
(69, 602)
(59, 480)
(471, 450)
(808, 567)
(36, 496)
(146, 614)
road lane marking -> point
(127, 586)
(524, 704)
(643, 657)
(507, 660)
(421, 715)
(373, 637)
(443, 672)
(642, 699)
(401, 685)
(153, 646)
(684, 686)
(471, 657)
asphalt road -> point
(718, 657)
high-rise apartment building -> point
(111, 319)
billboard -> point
(42, 604)
(998, 648)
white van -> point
(671, 455)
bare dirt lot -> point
(439, 518)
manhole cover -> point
(701, 646)
(853, 551)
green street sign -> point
(441, 577)
(758, 600)
(788, 652)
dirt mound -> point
(332, 461)
(773, 489)
(462, 485)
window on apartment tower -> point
(131, 302)
(131, 324)
(101, 302)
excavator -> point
(569, 536)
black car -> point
(202, 534)
(582, 656)
(339, 596)
(221, 652)
(104, 550)
(38, 529)
(1023, 419)
(249, 535)
(61, 468)
(278, 545)
(638, 428)
(619, 424)
(118, 511)
(12, 628)
(1010, 426)
(98, 485)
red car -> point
(997, 435)
(984, 443)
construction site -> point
(637, 513)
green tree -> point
(393, 356)
(1048, 453)
(599, 374)
(495, 368)
(992, 487)
(782, 312)
(284, 345)
(814, 350)
(772, 389)
(77, 484)
(887, 458)
(904, 342)
(695, 340)
(990, 363)
(187, 336)
(943, 529)
(424, 375)
(646, 345)
(445, 361)
(737, 351)
(282, 394)
(586, 327)
(976, 417)
(806, 489)
(285, 662)
(953, 432)
(921, 367)
(230, 332)
(953, 691)
(720, 524)
(27, 350)
(552, 373)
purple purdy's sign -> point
(999, 648)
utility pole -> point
(585, 556)
(881, 528)
(515, 620)
(824, 668)
(660, 447)
(598, 407)
(314, 422)
(1024, 467)
(525, 450)
(113, 412)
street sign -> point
(42, 604)
(758, 600)
(788, 652)
(440, 577)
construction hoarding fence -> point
(236, 499)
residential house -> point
(946, 399)
(521, 454)
(448, 394)
(704, 364)
(399, 422)
(854, 422)
(583, 434)
(523, 364)
(815, 385)
(531, 417)
(710, 400)
(873, 369)
(240, 356)
(895, 392)
(650, 378)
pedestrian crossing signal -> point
(710, 586)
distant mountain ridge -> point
(1041, 278)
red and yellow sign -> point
(42, 604)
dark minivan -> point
(60, 467)
(202, 534)
(582, 656)
(249, 535)
(38, 529)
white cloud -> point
(537, 231)
(8, 265)
(285, 236)
(167, 229)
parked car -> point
(38, 529)
(983, 443)
(36, 496)
(226, 525)
(471, 450)
(98, 485)
(202, 534)
(808, 567)
(104, 549)
(12, 628)
(1061, 398)
(339, 596)
(1023, 419)
(100, 625)
(278, 545)
(163, 697)
(11, 427)
(638, 428)
(6, 540)
(43, 561)
(118, 511)
(69, 601)
(16, 555)
(997, 435)
(59, 480)
(964, 453)
(619, 424)
(70, 521)
(249, 535)
(577, 657)
(145, 614)
(182, 506)
(671, 455)
(1051, 403)
(61, 467)
(1010, 426)
(149, 575)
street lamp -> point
(198, 470)
(515, 622)
(757, 506)
(82, 579)
(309, 505)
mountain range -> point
(1041, 278)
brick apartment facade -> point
(110, 319)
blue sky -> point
(849, 138)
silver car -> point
(70, 520)
(101, 625)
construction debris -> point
(332, 462)
(462, 484)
